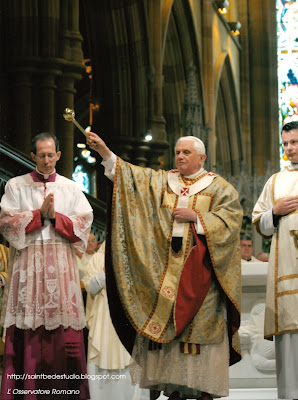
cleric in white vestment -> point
(276, 215)
(108, 359)
(44, 216)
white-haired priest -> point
(173, 271)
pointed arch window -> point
(287, 50)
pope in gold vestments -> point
(147, 270)
(146, 258)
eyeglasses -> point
(43, 156)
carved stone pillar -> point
(208, 78)
(70, 49)
(264, 85)
(123, 146)
(159, 13)
(4, 108)
(42, 60)
(140, 151)
(47, 99)
(65, 129)
(21, 113)
(158, 144)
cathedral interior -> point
(141, 73)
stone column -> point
(64, 131)
(245, 85)
(208, 75)
(159, 145)
(21, 113)
(124, 146)
(70, 50)
(263, 74)
(47, 99)
(140, 153)
(159, 16)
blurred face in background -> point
(246, 249)
(91, 245)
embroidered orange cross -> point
(184, 191)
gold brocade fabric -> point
(146, 269)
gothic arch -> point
(227, 119)
(181, 54)
(117, 43)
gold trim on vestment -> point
(287, 292)
(276, 262)
(190, 330)
(256, 222)
(191, 181)
(139, 312)
(274, 303)
(279, 333)
(293, 212)
(212, 258)
(115, 187)
(114, 195)
(238, 351)
(205, 194)
(276, 284)
(158, 321)
(166, 203)
(287, 277)
(273, 186)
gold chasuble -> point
(144, 271)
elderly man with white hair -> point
(173, 271)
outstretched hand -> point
(97, 144)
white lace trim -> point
(43, 289)
(81, 228)
(12, 227)
(168, 369)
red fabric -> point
(64, 226)
(35, 223)
(195, 281)
(47, 354)
(38, 177)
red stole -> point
(194, 284)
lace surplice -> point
(43, 283)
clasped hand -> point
(184, 215)
(286, 205)
(47, 209)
